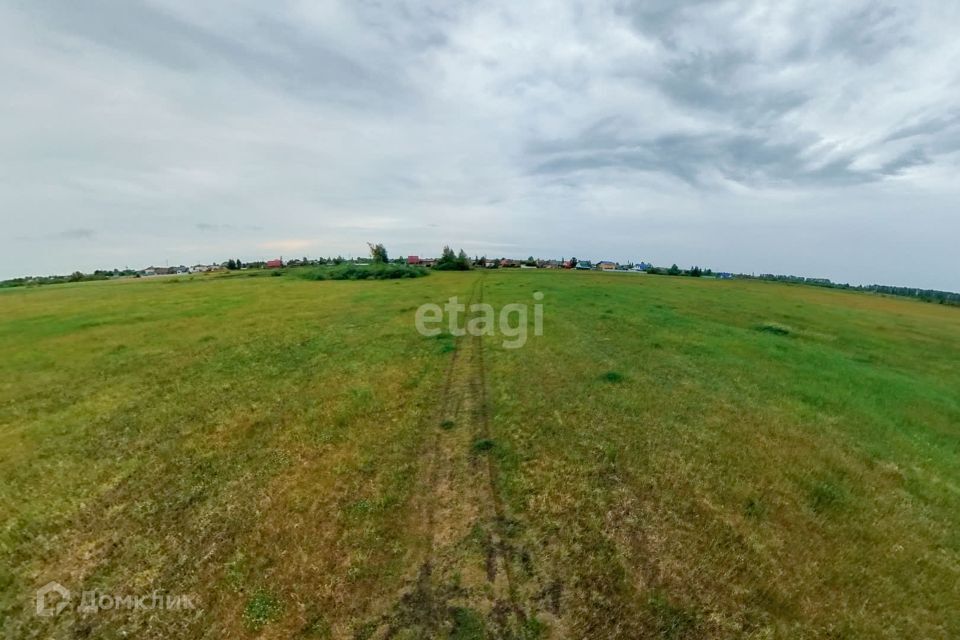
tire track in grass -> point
(529, 595)
(423, 608)
(467, 582)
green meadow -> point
(672, 458)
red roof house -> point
(413, 259)
(274, 264)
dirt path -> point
(477, 579)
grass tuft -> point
(754, 508)
(825, 496)
(612, 376)
(482, 445)
(467, 625)
(775, 328)
(673, 622)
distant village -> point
(572, 263)
(414, 260)
(610, 266)
(411, 260)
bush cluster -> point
(379, 271)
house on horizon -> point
(273, 264)
(158, 271)
(413, 259)
(606, 265)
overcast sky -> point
(814, 138)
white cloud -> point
(744, 135)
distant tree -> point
(482, 261)
(447, 260)
(76, 276)
(696, 272)
(674, 270)
(530, 262)
(573, 263)
(450, 261)
(378, 253)
(231, 265)
(338, 260)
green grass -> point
(673, 458)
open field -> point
(673, 458)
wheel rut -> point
(476, 572)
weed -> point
(612, 376)
(262, 609)
(467, 625)
(482, 445)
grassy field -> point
(673, 458)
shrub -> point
(349, 271)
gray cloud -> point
(271, 51)
(184, 131)
(74, 234)
(207, 226)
